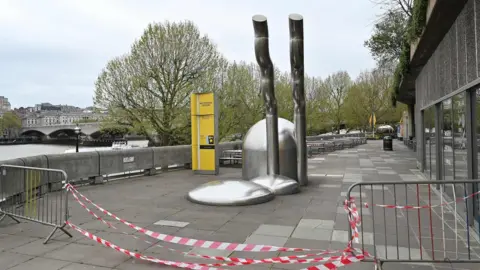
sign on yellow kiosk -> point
(204, 112)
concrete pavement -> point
(313, 218)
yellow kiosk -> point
(204, 113)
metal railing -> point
(34, 194)
(415, 221)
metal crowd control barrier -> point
(415, 221)
(34, 194)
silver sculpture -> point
(255, 150)
(262, 53)
(230, 192)
(274, 151)
(298, 85)
(279, 184)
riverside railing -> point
(34, 194)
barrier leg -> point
(4, 215)
(62, 228)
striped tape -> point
(329, 262)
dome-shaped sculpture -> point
(230, 192)
(254, 161)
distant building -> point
(5, 105)
(53, 118)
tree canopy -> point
(9, 124)
(147, 90)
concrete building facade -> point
(58, 118)
(5, 105)
(442, 90)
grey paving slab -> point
(39, 263)
(329, 186)
(37, 248)
(171, 223)
(312, 233)
(274, 230)
(316, 224)
(210, 252)
(10, 259)
(258, 239)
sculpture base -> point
(230, 193)
(278, 184)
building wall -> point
(59, 118)
(454, 65)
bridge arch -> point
(33, 132)
(64, 132)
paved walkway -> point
(313, 218)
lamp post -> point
(77, 132)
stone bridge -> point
(53, 131)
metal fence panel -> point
(415, 221)
(34, 194)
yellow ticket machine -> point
(204, 113)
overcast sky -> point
(53, 50)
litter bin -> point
(387, 143)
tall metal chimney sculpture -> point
(298, 90)
(280, 184)
(262, 53)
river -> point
(26, 150)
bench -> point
(232, 156)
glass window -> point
(459, 137)
(426, 132)
(459, 147)
(447, 140)
(429, 122)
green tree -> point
(10, 123)
(148, 89)
(370, 94)
(385, 44)
(335, 89)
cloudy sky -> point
(53, 50)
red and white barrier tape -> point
(190, 241)
(333, 261)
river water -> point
(25, 150)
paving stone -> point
(8, 242)
(10, 259)
(316, 224)
(386, 172)
(210, 252)
(313, 234)
(37, 248)
(266, 240)
(329, 186)
(94, 255)
(41, 264)
(274, 230)
(171, 223)
(79, 266)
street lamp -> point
(77, 131)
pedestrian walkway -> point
(314, 218)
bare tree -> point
(153, 83)
(336, 85)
